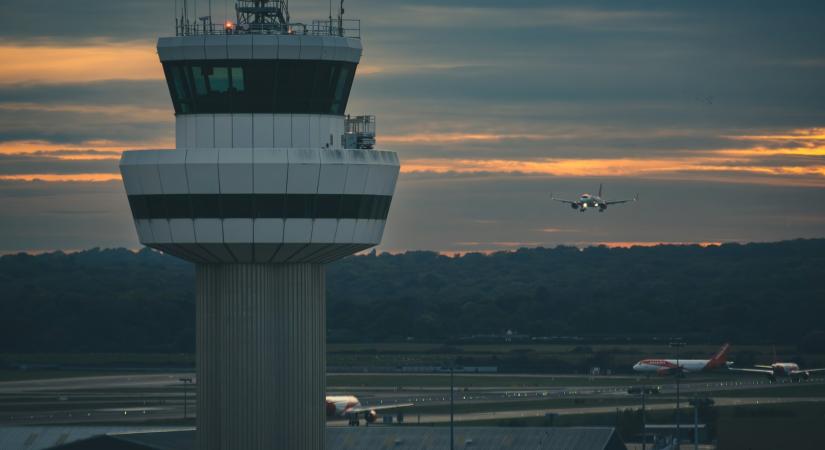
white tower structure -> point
(268, 181)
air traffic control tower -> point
(268, 181)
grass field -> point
(517, 357)
(416, 381)
(553, 403)
(785, 410)
(24, 375)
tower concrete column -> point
(268, 181)
(261, 356)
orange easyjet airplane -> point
(669, 366)
(348, 406)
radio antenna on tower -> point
(262, 15)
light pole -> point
(698, 402)
(185, 381)
(452, 404)
(644, 419)
(677, 344)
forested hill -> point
(117, 300)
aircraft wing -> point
(812, 370)
(364, 409)
(571, 202)
(616, 202)
(758, 371)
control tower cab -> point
(269, 180)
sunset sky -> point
(713, 111)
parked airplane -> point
(780, 370)
(669, 366)
(593, 201)
(348, 406)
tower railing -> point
(350, 28)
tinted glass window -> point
(229, 206)
(300, 206)
(177, 206)
(250, 86)
(218, 79)
(205, 206)
(236, 206)
(157, 206)
(328, 206)
(350, 205)
(237, 79)
(140, 210)
(200, 80)
(270, 205)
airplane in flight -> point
(348, 406)
(780, 370)
(589, 201)
(664, 367)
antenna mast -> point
(263, 15)
(341, 18)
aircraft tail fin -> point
(600, 190)
(720, 358)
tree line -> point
(122, 301)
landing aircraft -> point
(348, 406)
(780, 370)
(666, 367)
(586, 201)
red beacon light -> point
(229, 26)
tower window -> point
(219, 80)
(260, 206)
(256, 86)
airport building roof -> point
(376, 437)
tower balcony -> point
(278, 205)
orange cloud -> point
(762, 151)
(452, 138)
(801, 135)
(123, 113)
(557, 167)
(611, 167)
(94, 149)
(748, 161)
(629, 244)
(93, 62)
(75, 177)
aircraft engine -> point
(574, 205)
(371, 417)
(602, 207)
(806, 375)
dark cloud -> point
(567, 79)
(463, 213)
(149, 94)
(488, 210)
(39, 216)
(79, 126)
(85, 19)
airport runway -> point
(160, 397)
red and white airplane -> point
(349, 407)
(669, 367)
(781, 370)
